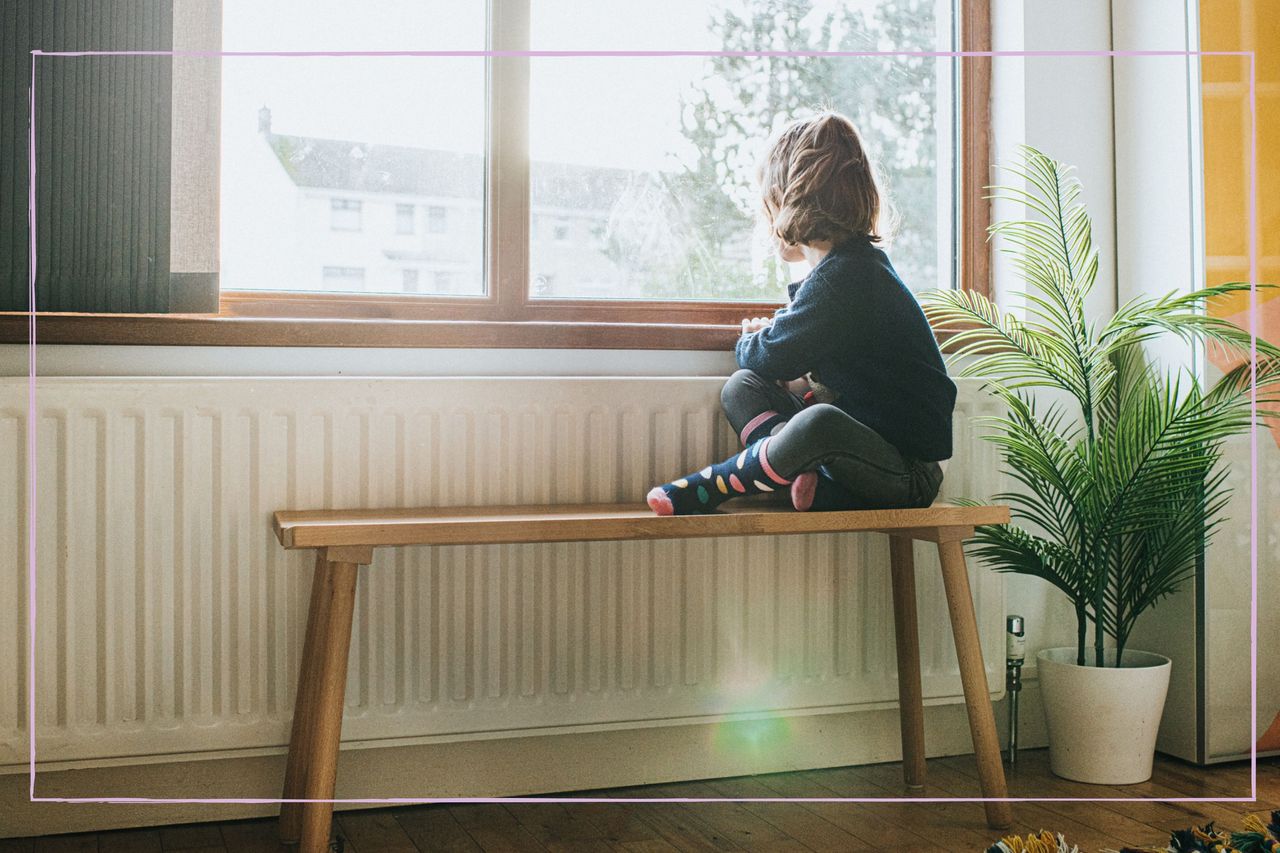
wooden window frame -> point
(507, 316)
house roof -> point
(364, 167)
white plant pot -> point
(1102, 721)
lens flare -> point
(752, 729)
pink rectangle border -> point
(32, 419)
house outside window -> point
(344, 214)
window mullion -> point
(507, 183)
(974, 208)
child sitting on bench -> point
(876, 418)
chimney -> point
(264, 120)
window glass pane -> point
(404, 218)
(642, 168)
(326, 160)
(437, 220)
(345, 215)
(344, 279)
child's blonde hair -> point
(816, 183)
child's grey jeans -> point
(872, 471)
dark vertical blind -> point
(14, 71)
(103, 156)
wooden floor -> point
(773, 827)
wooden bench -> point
(345, 539)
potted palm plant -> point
(1116, 461)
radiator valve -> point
(1014, 655)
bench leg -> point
(973, 675)
(313, 750)
(334, 647)
(910, 694)
(304, 703)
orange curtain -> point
(1242, 25)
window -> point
(437, 220)
(394, 132)
(343, 278)
(662, 180)
(404, 219)
(409, 280)
(344, 214)
(645, 203)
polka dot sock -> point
(758, 427)
(747, 473)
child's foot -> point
(823, 495)
(682, 497)
(660, 502)
(802, 490)
(747, 473)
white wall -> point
(1159, 203)
(1061, 105)
(1157, 207)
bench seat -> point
(345, 539)
(494, 525)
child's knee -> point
(820, 418)
(742, 381)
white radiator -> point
(169, 620)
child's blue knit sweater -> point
(853, 324)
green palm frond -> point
(1010, 549)
(1260, 378)
(996, 346)
(1054, 253)
(1052, 346)
(1160, 561)
(1183, 315)
(1063, 233)
(1039, 451)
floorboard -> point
(618, 826)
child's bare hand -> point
(755, 324)
(797, 386)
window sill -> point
(219, 330)
(215, 330)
